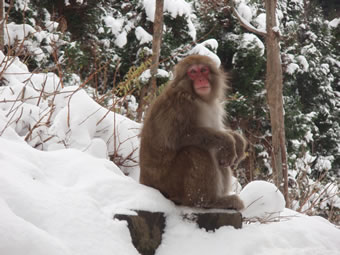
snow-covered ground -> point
(60, 199)
(63, 202)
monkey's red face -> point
(199, 74)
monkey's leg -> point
(193, 179)
(229, 202)
(224, 200)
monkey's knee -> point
(200, 183)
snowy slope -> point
(62, 202)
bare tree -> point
(156, 43)
(2, 23)
(274, 84)
(156, 48)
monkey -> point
(186, 150)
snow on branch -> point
(244, 23)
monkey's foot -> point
(230, 202)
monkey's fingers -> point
(240, 145)
(226, 157)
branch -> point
(244, 23)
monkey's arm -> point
(206, 138)
(179, 124)
(222, 143)
(240, 145)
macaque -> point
(186, 150)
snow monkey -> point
(186, 150)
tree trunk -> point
(274, 95)
(156, 43)
(156, 46)
(275, 99)
(2, 25)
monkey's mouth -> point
(202, 89)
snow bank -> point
(63, 202)
(75, 119)
(262, 200)
(296, 235)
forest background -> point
(105, 47)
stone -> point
(211, 221)
(146, 229)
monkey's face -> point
(199, 75)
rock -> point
(214, 220)
(146, 229)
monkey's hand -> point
(227, 154)
(240, 146)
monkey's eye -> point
(204, 70)
(193, 71)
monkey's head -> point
(202, 76)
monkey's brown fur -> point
(186, 150)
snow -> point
(115, 25)
(146, 75)
(324, 163)
(309, 136)
(267, 239)
(334, 23)
(303, 61)
(174, 8)
(262, 199)
(303, 164)
(245, 11)
(142, 36)
(17, 32)
(300, 64)
(119, 28)
(244, 20)
(77, 121)
(62, 202)
(121, 39)
(204, 50)
(292, 67)
(260, 20)
(61, 199)
(251, 41)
